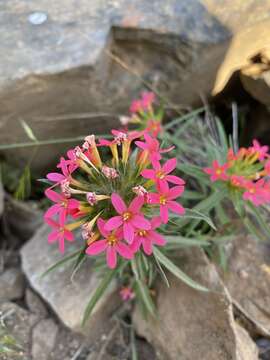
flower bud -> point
(110, 173)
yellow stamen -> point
(112, 239)
(160, 174)
(162, 200)
(142, 233)
(126, 215)
(114, 151)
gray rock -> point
(59, 73)
(34, 303)
(67, 298)
(18, 324)
(194, 324)
(22, 218)
(43, 339)
(12, 284)
(248, 280)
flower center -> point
(162, 200)
(112, 239)
(219, 171)
(126, 216)
(160, 174)
(142, 233)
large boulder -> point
(59, 71)
(67, 297)
(195, 325)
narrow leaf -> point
(28, 131)
(176, 271)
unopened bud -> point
(139, 190)
(110, 173)
(91, 198)
(65, 188)
(120, 138)
(124, 120)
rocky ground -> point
(40, 317)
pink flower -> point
(147, 100)
(165, 199)
(161, 173)
(255, 192)
(217, 172)
(267, 167)
(62, 204)
(61, 232)
(126, 293)
(151, 145)
(111, 243)
(148, 238)
(260, 150)
(154, 127)
(136, 106)
(130, 217)
(237, 181)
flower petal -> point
(96, 247)
(69, 235)
(140, 222)
(175, 180)
(128, 232)
(124, 250)
(175, 207)
(164, 214)
(136, 204)
(147, 246)
(118, 203)
(101, 227)
(55, 177)
(53, 196)
(73, 204)
(53, 236)
(111, 257)
(169, 165)
(156, 238)
(53, 210)
(134, 247)
(148, 174)
(175, 192)
(113, 223)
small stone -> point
(34, 303)
(43, 339)
(12, 284)
(37, 18)
(68, 298)
(18, 324)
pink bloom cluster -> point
(114, 199)
(246, 171)
(143, 114)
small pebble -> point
(37, 18)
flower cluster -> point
(143, 115)
(117, 192)
(246, 171)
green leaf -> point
(105, 282)
(213, 199)
(197, 215)
(60, 263)
(24, 188)
(145, 296)
(183, 118)
(176, 271)
(185, 241)
(162, 272)
(261, 221)
(28, 131)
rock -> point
(12, 284)
(248, 280)
(67, 298)
(60, 73)
(23, 218)
(264, 348)
(34, 304)
(245, 46)
(18, 326)
(194, 324)
(43, 339)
